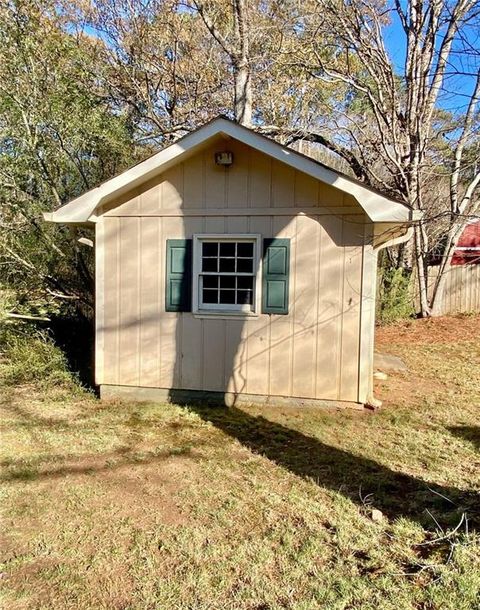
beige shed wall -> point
(253, 181)
(313, 352)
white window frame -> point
(215, 309)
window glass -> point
(210, 264)
(210, 296)
(210, 249)
(245, 250)
(244, 265)
(227, 249)
(227, 265)
(227, 274)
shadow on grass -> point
(394, 493)
(53, 466)
(467, 433)
(40, 466)
(359, 479)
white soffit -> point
(82, 209)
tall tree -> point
(219, 19)
(158, 65)
(398, 138)
(256, 39)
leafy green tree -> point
(60, 134)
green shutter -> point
(178, 280)
(276, 269)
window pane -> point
(245, 282)
(244, 297)
(245, 249)
(210, 281)
(210, 264)
(227, 296)
(210, 296)
(227, 281)
(210, 248)
(227, 249)
(227, 265)
(221, 263)
(245, 265)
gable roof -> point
(81, 210)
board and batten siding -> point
(312, 352)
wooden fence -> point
(462, 288)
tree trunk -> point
(241, 66)
(439, 290)
(422, 277)
(243, 95)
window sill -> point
(226, 315)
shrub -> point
(394, 296)
(29, 356)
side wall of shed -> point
(313, 352)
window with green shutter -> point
(276, 268)
(178, 280)
(225, 275)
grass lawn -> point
(127, 506)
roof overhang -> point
(82, 210)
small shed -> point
(229, 267)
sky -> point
(460, 79)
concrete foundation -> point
(185, 397)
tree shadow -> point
(51, 466)
(396, 494)
(468, 433)
(46, 465)
(361, 480)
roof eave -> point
(377, 207)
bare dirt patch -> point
(404, 389)
(446, 329)
(149, 493)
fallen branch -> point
(445, 536)
(25, 317)
(60, 295)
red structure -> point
(467, 251)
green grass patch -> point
(29, 355)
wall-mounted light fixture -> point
(224, 158)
